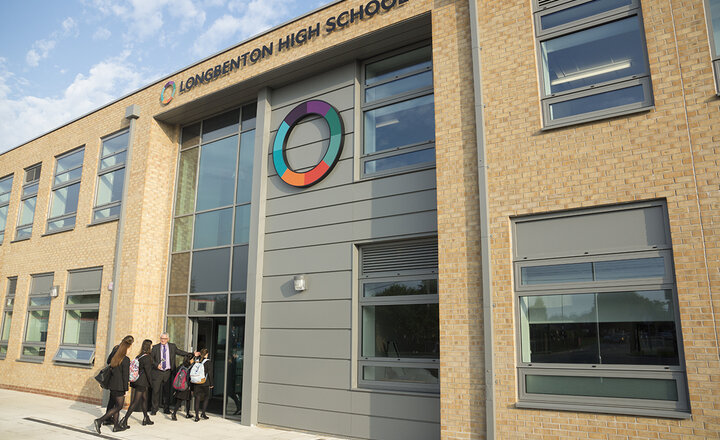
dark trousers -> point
(160, 384)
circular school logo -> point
(167, 96)
(322, 169)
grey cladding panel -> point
(327, 258)
(325, 373)
(341, 98)
(407, 224)
(313, 86)
(321, 286)
(306, 397)
(329, 344)
(306, 419)
(306, 315)
(359, 210)
(340, 175)
(381, 428)
(305, 157)
(315, 197)
(313, 127)
(397, 406)
(595, 232)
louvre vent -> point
(542, 4)
(400, 257)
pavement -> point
(31, 416)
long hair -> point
(122, 351)
(203, 353)
(146, 347)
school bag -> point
(180, 382)
(135, 369)
(197, 372)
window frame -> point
(5, 205)
(83, 308)
(391, 100)
(108, 170)
(7, 308)
(36, 294)
(714, 50)
(548, 99)
(28, 192)
(59, 186)
(374, 361)
(618, 405)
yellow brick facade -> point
(669, 152)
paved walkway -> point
(31, 416)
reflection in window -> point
(5, 189)
(111, 177)
(216, 181)
(82, 306)
(66, 191)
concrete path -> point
(31, 416)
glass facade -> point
(209, 251)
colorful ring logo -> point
(166, 100)
(334, 121)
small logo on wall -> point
(322, 169)
(168, 93)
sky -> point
(60, 59)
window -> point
(5, 188)
(82, 302)
(598, 320)
(211, 228)
(592, 59)
(399, 113)
(712, 13)
(111, 176)
(28, 198)
(38, 316)
(399, 340)
(7, 316)
(65, 191)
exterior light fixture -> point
(54, 291)
(299, 283)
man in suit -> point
(163, 358)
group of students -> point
(152, 369)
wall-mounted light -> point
(299, 283)
(54, 291)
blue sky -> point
(60, 59)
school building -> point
(397, 219)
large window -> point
(5, 188)
(208, 269)
(28, 199)
(65, 191)
(400, 332)
(712, 12)
(111, 176)
(38, 316)
(7, 316)
(593, 59)
(399, 113)
(82, 301)
(598, 318)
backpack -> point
(180, 382)
(135, 369)
(197, 372)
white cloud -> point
(41, 49)
(70, 26)
(27, 117)
(102, 34)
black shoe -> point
(173, 417)
(204, 416)
(188, 416)
(167, 411)
(118, 428)
(197, 419)
(153, 412)
(107, 422)
(147, 421)
(96, 422)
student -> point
(202, 390)
(141, 385)
(181, 396)
(119, 378)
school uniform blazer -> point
(173, 351)
(120, 376)
(146, 368)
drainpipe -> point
(484, 226)
(132, 113)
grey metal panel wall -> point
(307, 337)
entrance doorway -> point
(223, 338)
